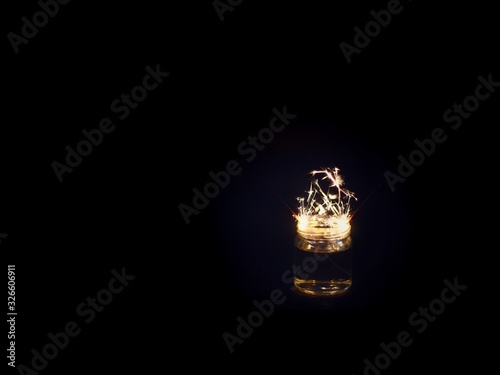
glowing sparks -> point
(326, 209)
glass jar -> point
(323, 261)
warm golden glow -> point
(326, 211)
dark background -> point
(119, 207)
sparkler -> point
(326, 211)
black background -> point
(119, 207)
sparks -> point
(328, 207)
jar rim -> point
(324, 233)
(327, 227)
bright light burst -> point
(326, 208)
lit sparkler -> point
(326, 210)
